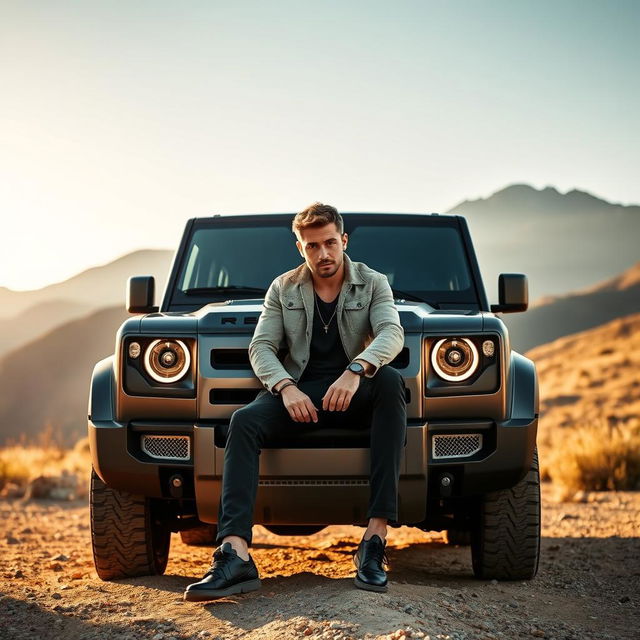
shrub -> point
(596, 457)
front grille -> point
(166, 447)
(456, 445)
(314, 482)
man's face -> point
(322, 249)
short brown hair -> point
(317, 215)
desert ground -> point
(588, 583)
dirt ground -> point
(588, 583)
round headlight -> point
(167, 360)
(454, 359)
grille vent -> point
(167, 447)
(456, 445)
(314, 482)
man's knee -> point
(389, 378)
(244, 421)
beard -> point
(328, 271)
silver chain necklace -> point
(325, 325)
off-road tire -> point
(128, 538)
(505, 537)
(201, 536)
(460, 537)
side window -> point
(190, 274)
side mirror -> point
(513, 293)
(141, 294)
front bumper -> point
(305, 485)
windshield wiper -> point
(403, 295)
(197, 291)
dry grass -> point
(595, 457)
(20, 464)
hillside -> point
(47, 380)
(590, 399)
(563, 242)
(557, 316)
(95, 288)
(37, 320)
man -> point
(336, 371)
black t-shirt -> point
(327, 358)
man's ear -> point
(299, 248)
(345, 241)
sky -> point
(120, 120)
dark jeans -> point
(378, 401)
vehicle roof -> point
(343, 213)
(351, 213)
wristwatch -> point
(356, 368)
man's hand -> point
(339, 394)
(299, 405)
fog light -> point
(134, 349)
(488, 348)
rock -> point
(624, 599)
(11, 540)
(11, 490)
(39, 487)
(61, 557)
(62, 493)
(56, 596)
(18, 574)
(55, 566)
(408, 609)
(580, 496)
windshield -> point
(424, 258)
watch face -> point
(356, 367)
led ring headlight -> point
(454, 359)
(167, 360)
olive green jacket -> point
(368, 322)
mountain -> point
(94, 288)
(47, 380)
(563, 242)
(36, 320)
(557, 316)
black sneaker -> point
(228, 574)
(369, 560)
